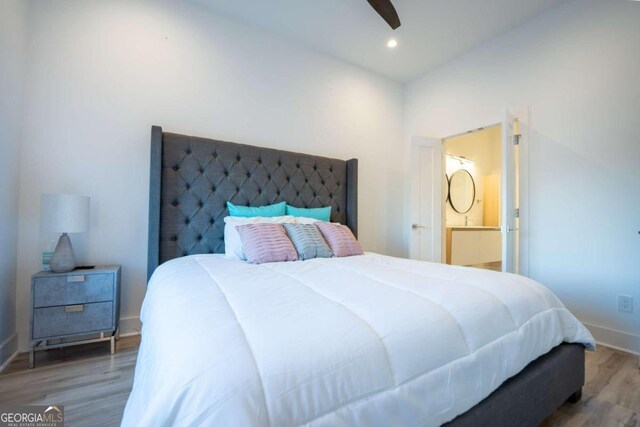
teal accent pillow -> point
(268, 211)
(321, 214)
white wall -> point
(103, 72)
(578, 67)
(12, 64)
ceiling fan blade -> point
(387, 11)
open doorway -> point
(473, 171)
(490, 196)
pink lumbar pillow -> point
(266, 243)
(340, 239)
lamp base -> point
(63, 259)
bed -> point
(365, 340)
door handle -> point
(511, 229)
(417, 226)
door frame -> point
(524, 118)
(508, 191)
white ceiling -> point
(432, 32)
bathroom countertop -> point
(473, 228)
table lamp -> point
(64, 213)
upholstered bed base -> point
(532, 395)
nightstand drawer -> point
(72, 319)
(72, 289)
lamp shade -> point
(64, 213)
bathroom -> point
(473, 217)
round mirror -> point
(462, 191)
(446, 186)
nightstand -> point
(70, 308)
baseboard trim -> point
(130, 326)
(615, 339)
(8, 350)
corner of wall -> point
(13, 48)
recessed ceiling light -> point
(392, 43)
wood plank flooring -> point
(94, 386)
(611, 395)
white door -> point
(427, 199)
(509, 196)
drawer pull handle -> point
(74, 279)
(74, 308)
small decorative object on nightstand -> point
(79, 307)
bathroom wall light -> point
(392, 43)
(460, 159)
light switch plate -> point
(625, 303)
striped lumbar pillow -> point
(340, 239)
(266, 243)
(233, 244)
(308, 241)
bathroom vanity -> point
(472, 245)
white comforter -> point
(368, 340)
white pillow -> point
(305, 220)
(233, 244)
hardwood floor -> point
(611, 395)
(94, 386)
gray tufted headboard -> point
(193, 178)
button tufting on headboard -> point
(188, 193)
